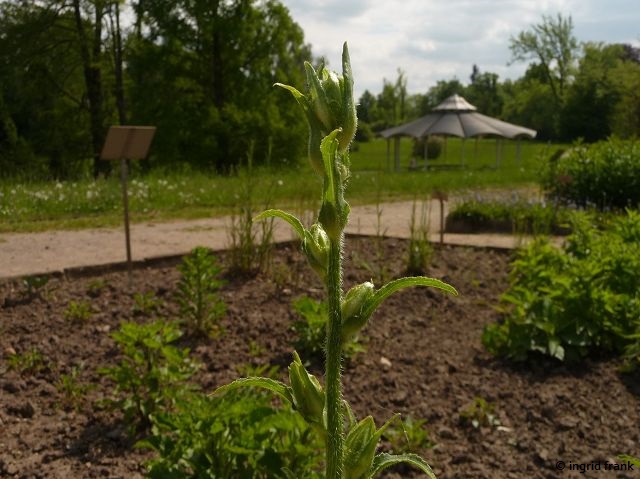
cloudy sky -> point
(435, 40)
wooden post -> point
(441, 196)
(126, 143)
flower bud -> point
(316, 248)
(360, 449)
(308, 396)
(353, 306)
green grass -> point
(87, 203)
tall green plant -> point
(200, 304)
(350, 453)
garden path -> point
(26, 254)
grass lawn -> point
(88, 203)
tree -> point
(443, 90)
(591, 98)
(553, 47)
(484, 92)
(218, 60)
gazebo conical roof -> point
(455, 116)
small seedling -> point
(34, 284)
(78, 311)
(28, 363)
(73, 391)
(478, 414)
(145, 303)
(200, 304)
(410, 436)
(95, 287)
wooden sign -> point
(128, 142)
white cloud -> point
(435, 40)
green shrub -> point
(152, 374)
(201, 307)
(604, 175)
(570, 302)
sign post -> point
(127, 143)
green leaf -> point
(398, 284)
(272, 385)
(383, 461)
(295, 223)
(329, 148)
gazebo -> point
(455, 116)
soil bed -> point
(423, 357)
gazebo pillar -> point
(396, 152)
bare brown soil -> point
(423, 357)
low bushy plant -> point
(604, 175)
(152, 374)
(201, 306)
(223, 437)
(517, 215)
(578, 300)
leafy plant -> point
(420, 250)
(28, 363)
(350, 447)
(201, 307)
(480, 413)
(311, 329)
(152, 373)
(78, 311)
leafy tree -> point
(217, 61)
(484, 92)
(440, 92)
(553, 47)
(592, 96)
(43, 90)
(625, 117)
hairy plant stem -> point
(333, 386)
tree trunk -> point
(93, 82)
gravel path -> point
(25, 254)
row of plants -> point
(516, 215)
(578, 300)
